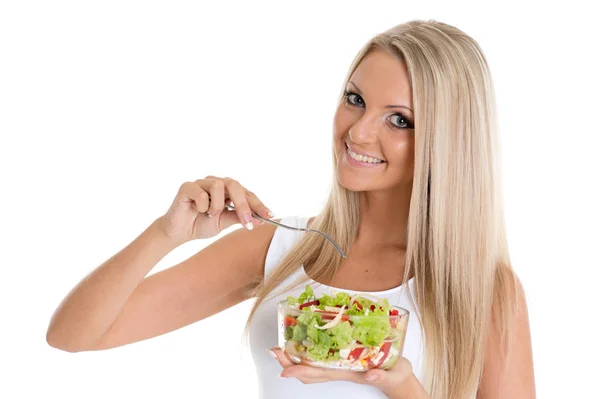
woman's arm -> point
(116, 305)
(510, 376)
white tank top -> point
(263, 330)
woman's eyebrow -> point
(387, 106)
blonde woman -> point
(416, 204)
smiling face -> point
(375, 120)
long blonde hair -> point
(457, 248)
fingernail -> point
(248, 222)
(210, 215)
(283, 376)
(372, 377)
(270, 213)
(270, 352)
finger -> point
(237, 194)
(306, 373)
(389, 378)
(217, 196)
(282, 358)
(316, 374)
(257, 205)
(191, 192)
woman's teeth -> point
(363, 158)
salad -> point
(357, 332)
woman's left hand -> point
(386, 380)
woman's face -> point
(375, 119)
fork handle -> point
(337, 247)
(254, 214)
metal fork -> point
(231, 208)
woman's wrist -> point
(410, 388)
(163, 239)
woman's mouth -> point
(362, 160)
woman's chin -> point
(351, 184)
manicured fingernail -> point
(248, 222)
(270, 214)
(372, 377)
(270, 352)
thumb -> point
(376, 376)
(389, 380)
(384, 380)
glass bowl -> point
(332, 339)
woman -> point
(417, 206)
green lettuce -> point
(299, 332)
(325, 344)
(309, 318)
(307, 295)
(341, 335)
(322, 342)
(289, 332)
(341, 299)
(370, 330)
(291, 301)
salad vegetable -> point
(356, 332)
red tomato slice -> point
(304, 305)
(385, 349)
(289, 321)
(355, 354)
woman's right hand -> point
(198, 210)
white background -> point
(107, 107)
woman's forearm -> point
(89, 310)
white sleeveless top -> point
(264, 335)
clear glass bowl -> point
(381, 347)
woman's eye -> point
(400, 121)
(354, 99)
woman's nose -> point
(364, 130)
